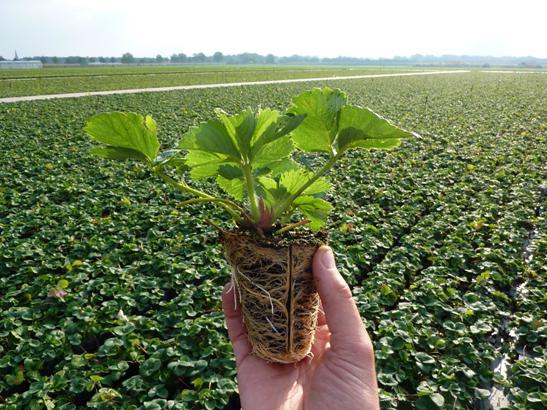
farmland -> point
(110, 292)
(64, 80)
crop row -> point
(110, 293)
(93, 71)
(96, 79)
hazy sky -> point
(359, 28)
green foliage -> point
(250, 154)
(67, 80)
(332, 126)
(126, 135)
(433, 249)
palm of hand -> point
(272, 386)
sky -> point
(356, 28)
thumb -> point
(341, 313)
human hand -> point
(340, 374)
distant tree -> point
(270, 59)
(179, 58)
(2, 58)
(43, 60)
(112, 59)
(55, 60)
(102, 60)
(159, 58)
(128, 58)
(249, 58)
(15, 57)
(92, 59)
(218, 57)
(199, 58)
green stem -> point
(200, 194)
(220, 200)
(251, 193)
(292, 226)
(181, 185)
(283, 206)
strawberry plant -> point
(269, 196)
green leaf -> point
(230, 180)
(117, 153)
(427, 403)
(361, 127)
(212, 137)
(271, 126)
(294, 179)
(279, 167)
(266, 123)
(149, 366)
(315, 209)
(135, 383)
(204, 164)
(189, 140)
(321, 108)
(241, 128)
(269, 189)
(230, 171)
(438, 399)
(125, 130)
(267, 183)
(62, 283)
(424, 358)
(273, 152)
(233, 187)
(181, 367)
(15, 380)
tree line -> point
(254, 58)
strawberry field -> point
(110, 291)
(67, 80)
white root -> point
(259, 287)
(272, 325)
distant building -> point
(104, 64)
(21, 64)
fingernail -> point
(327, 258)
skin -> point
(339, 375)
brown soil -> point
(274, 283)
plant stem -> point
(291, 226)
(283, 206)
(220, 200)
(251, 193)
(181, 185)
(201, 195)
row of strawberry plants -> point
(118, 81)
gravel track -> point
(222, 85)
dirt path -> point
(201, 86)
